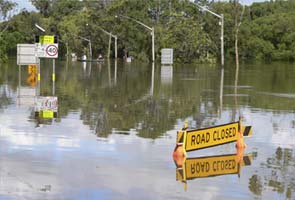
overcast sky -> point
(27, 4)
(24, 4)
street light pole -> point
(147, 27)
(90, 49)
(115, 37)
(116, 47)
(221, 17)
(89, 41)
(153, 43)
(222, 40)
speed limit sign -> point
(51, 51)
(46, 50)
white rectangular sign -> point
(46, 50)
(26, 54)
(167, 56)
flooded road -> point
(116, 127)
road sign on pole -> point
(46, 50)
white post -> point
(147, 27)
(152, 79)
(221, 90)
(153, 43)
(19, 81)
(90, 49)
(116, 48)
(222, 40)
(221, 17)
(115, 76)
(53, 77)
(109, 49)
(39, 77)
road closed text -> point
(203, 138)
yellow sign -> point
(211, 166)
(46, 39)
(213, 136)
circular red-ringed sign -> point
(51, 50)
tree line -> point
(267, 31)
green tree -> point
(5, 10)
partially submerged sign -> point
(211, 166)
(166, 56)
(213, 136)
(208, 137)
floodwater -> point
(116, 126)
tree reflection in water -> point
(282, 180)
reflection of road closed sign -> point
(32, 72)
(212, 166)
(51, 51)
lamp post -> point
(147, 27)
(115, 37)
(221, 17)
(39, 68)
(89, 41)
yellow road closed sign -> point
(213, 136)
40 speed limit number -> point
(52, 51)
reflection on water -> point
(209, 166)
(117, 125)
(277, 174)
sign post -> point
(53, 77)
(29, 54)
(47, 47)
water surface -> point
(117, 123)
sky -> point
(28, 6)
(24, 4)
